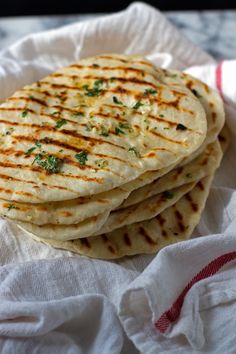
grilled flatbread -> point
(152, 201)
(198, 168)
(210, 100)
(93, 126)
(174, 224)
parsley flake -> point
(115, 100)
(11, 206)
(82, 157)
(189, 175)
(24, 113)
(181, 127)
(149, 92)
(29, 151)
(50, 163)
(95, 91)
(119, 131)
(138, 104)
(60, 123)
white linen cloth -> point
(52, 301)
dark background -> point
(44, 7)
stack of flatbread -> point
(110, 156)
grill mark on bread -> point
(109, 115)
(60, 144)
(61, 109)
(127, 239)
(85, 242)
(10, 178)
(168, 139)
(9, 191)
(179, 170)
(65, 159)
(91, 140)
(147, 238)
(111, 249)
(194, 206)
(104, 238)
(109, 68)
(38, 169)
(200, 186)
(179, 218)
(126, 61)
(133, 80)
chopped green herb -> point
(11, 206)
(54, 113)
(115, 100)
(168, 195)
(120, 128)
(112, 79)
(38, 144)
(189, 175)
(101, 163)
(60, 123)
(138, 104)
(149, 92)
(82, 157)
(77, 114)
(119, 131)
(180, 127)
(95, 65)
(133, 149)
(24, 113)
(196, 93)
(97, 84)
(125, 126)
(166, 128)
(31, 97)
(29, 151)
(161, 115)
(174, 76)
(104, 131)
(49, 163)
(61, 150)
(95, 91)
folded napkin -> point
(179, 301)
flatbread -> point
(200, 167)
(76, 210)
(174, 224)
(142, 211)
(210, 100)
(56, 132)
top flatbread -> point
(92, 126)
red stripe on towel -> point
(173, 313)
(219, 78)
